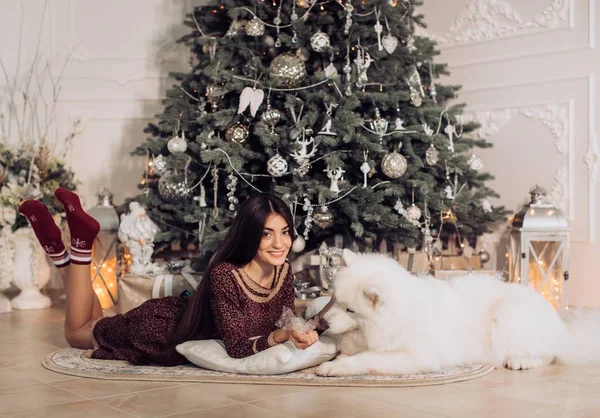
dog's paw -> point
(331, 368)
(524, 363)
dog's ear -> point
(349, 257)
(373, 296)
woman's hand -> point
(303, 341)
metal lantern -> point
(539, 246)
(106, 251)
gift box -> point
(135, 290)
(458, 262)
(416, 262)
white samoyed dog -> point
(390, 322)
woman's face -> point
(276, 241)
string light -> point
(105, 281)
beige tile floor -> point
(28, 390)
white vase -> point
(32, 271)
(7, 264)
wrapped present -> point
(414, 261)
(458, 262)
(135, 290)
(447, 274)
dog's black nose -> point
(322, 326)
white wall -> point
(114, 81)
(528, 71)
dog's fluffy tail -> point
(583, 344)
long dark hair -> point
(239, 247)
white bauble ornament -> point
(413, 213)
(331, 71)
(320, 41)
(299, 244)
(159, 165)
(177, 144)
(277, 166)
(390, 43)
(394, 165)
(255, 27)
(475, 163)
(432, 155)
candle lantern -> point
(106, 251)
(539, 246)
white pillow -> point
(279, 359)
(316, 306)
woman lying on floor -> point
(247, 283)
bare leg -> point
(80, 315)
(80, 307)
(97, 309)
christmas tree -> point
(332, 105)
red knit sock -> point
(83, 227)
(46, 231)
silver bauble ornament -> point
(331, 71)
(277, 166)
(323, 217)
(255, 27)
(159, 165)
(394, 165)
(299, 244)
(237, 133)
(320, 41)
(390, 43)
(475, 163)
(415, 97)
(484, 256)
(287, 70)
(413, 213)
(271, 117)
(432, 155)
(177, 144)
(173, 188)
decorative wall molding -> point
(554, 116)
(484, 20)
(557, 118)
(559, 194)
(591, 159)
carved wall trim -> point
(591, 159)
(484, 20)
(553, 116)
(556, 117)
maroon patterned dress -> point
(245, 314)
